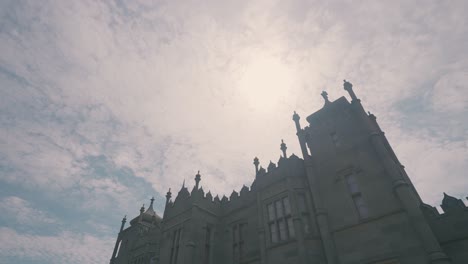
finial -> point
(168, 196)
(324, 94)
(296, 117)
(183, 184)
(283, 148)
(197, 179)
(349, 88)
(271, 166)
(142, 209)
(123, 223)
(256, 165)
(152, 200)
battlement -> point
(291, 166)
(452, 223)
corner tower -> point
(367, 208)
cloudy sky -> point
(106, 103)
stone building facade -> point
(348, 200)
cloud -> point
(450, 93)
(67, 247)
(21, 212)
(107, 103)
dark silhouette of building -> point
(348, 201)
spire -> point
(283, 148)
(183, 193)
(256, 165)
(300, 135)
(197, 180)
(209, 196)
(150, 208)
(349, 88)
(119, 238)
(324, 94)
(271, 166)
(450, 203)
(244, 190)
(296, 118)
(123, 223)
(168, 196)
(142, 209)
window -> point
(352, 183)
(356, 195)
(302, 207)
(335, 139)
(238, 241)
(118, 248)
(175, 245)
(207, 244)
(360, 206)
(280, 222)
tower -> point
(360, 188)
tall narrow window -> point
(335, 139)
(238, 241)
(207, 245)
(361, 206)
(352, 183)
(280, 223)
(304, 212)
(175, 246)
(271, 212)
(118, 248)
(356, 195)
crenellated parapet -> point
(185, 201)
(290, 167)
(450, 225)
(286, 167)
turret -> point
(124, 220)
(168, 196)
(450, 203)
(300, 135)
(283, 148)
(197, 180)
(349, 88)
(142, 210)
(151, 204)
(324, 94)
(117, 241)
(296, 119)
(256, 165)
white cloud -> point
(450, 93)
(18, 211)
(162, 89)
(67, 247)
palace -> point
(348, 200)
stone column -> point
(119, 239)
(297, 221)
(261, 230)
(189, 254)
(321, 214)
(409, 202)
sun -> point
(265, 82)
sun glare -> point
(265, 83)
